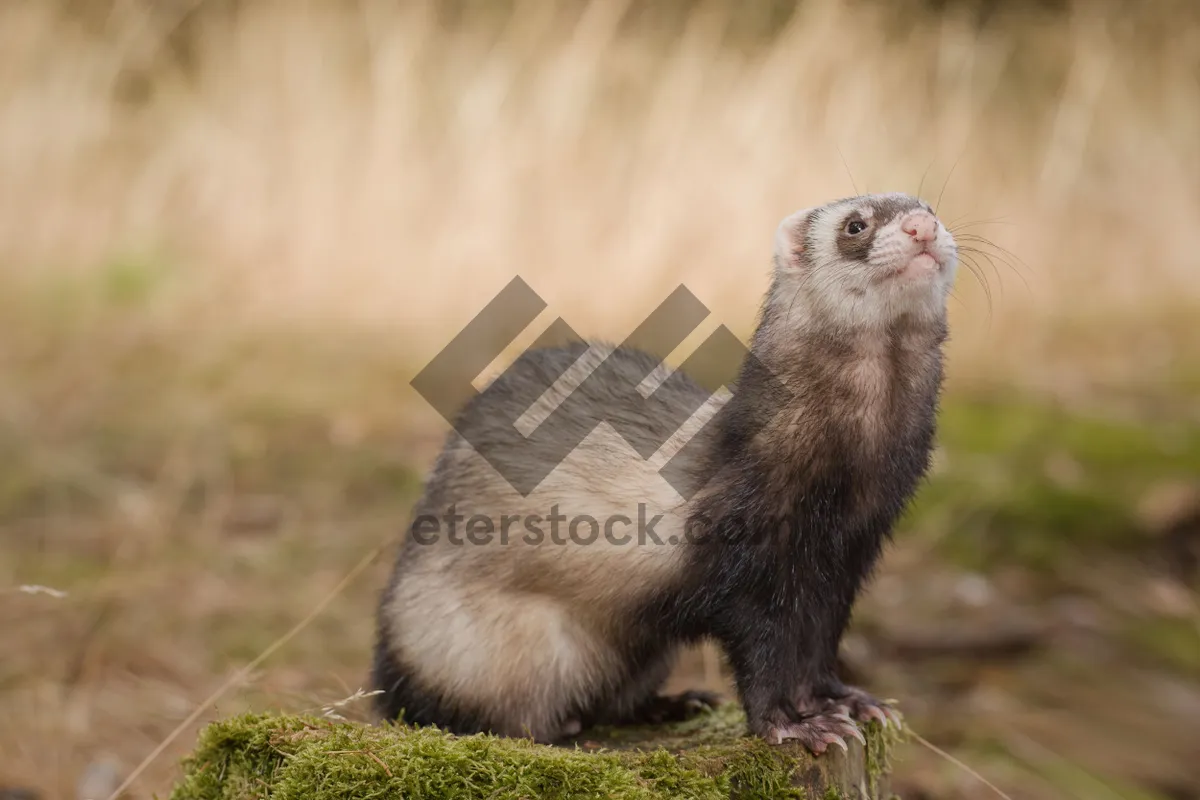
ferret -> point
(514, 614)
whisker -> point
(923, 176)
(1002, 252)
(967, 250)
(973, 254)
(975, 270)
(951, 225)
(938, 204)
(981, 239)
(972, 262)
(992, 258)
(955, 226)
(848, 173)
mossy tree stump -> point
(291, 757)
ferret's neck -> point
(810, 391)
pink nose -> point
(921, 226)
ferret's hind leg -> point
(663, 708)
(471, 656)
(639, 703)
(402, 697)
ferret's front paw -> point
(863, 707)
(814, 731)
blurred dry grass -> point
(230, 232)
(367, 165)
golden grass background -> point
(219, 217)
(380, 166)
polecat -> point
(515, 615)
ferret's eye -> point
(855, 226)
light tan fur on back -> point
(521, 626)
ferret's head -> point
(866, 261)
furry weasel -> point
(516, 624)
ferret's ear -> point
(790, 240)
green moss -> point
(284, 757)
(1025, 482)
(881, 743)
(1173, 642)
(307, 758)
(235, 757)
(719, 726)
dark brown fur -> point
(809, 481)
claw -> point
(864, 708)
(859, 735)
(878, 714)
(817, 730)
(833, 738)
